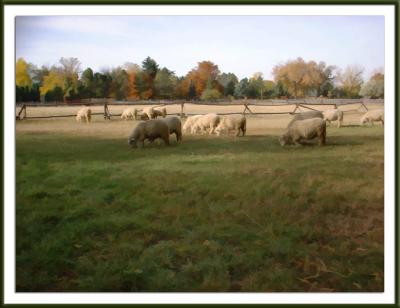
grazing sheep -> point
(301, 130)
(174, 126)
(306, 115)
(207, 121)
(129, 113)
(151, 129)
(84, 113)
(159, 113)
(149, 112)
(154, 113)
(229, 123)
(333, 115)
(373, 115)
(190, 122)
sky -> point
(239, 44)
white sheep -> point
(160, 113)
(304, 130)
(208, 121)
(306, 115)
(151, 130)
(234, 122)
(174, 126)
(154, 113)
(333, 115)
(187, 127)
(129, 113)
(372, 115)
(84, 113)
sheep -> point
(154, 113)
(333, 115)
(209, 120)
(174, 126)
(306, 115)
(84, 113)
(371, 116)
(129, 113)
(149, 112)
(190, 122)
(151, 130)
(232, 122)
(159, 113)
(304, 130)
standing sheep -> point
(333, 115)
(84, 113)
(190, 122)
(304, 130)
(207, 121)
(306, 115)
(373, 115)
(174, 126)
(129, 113)
(151, 130)
(229, 123)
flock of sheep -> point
(304, 126)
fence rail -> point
(247, 104)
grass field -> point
(210, 214)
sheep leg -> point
(382, 122)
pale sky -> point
(239, 44)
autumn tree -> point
(55, 79)
(22, 77)
(132, 69)
(350, 81)
(375, 87)
(302, 78)
(200, 75)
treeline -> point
(293, 79)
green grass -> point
(211, 214)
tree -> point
(375, 87)
(102, 84)
(22, 77)
(200, 76)
(87, 83)
(350, 81)
(269, 89)
(241, 89)
(119, 84)
(165, 83)
(302, 78)
(192, 90)
(228, 82)
(210, 94)
(70, 70)
(256, 86)
(54, 79)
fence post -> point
(23, 109)
(182, 105)
(107, 114)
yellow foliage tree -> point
(22, 77)
(54, 79)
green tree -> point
(165, 83)
(241, 89)
(350, 81)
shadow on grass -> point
(63, 148)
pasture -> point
(210, 214)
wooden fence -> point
(248, 105)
